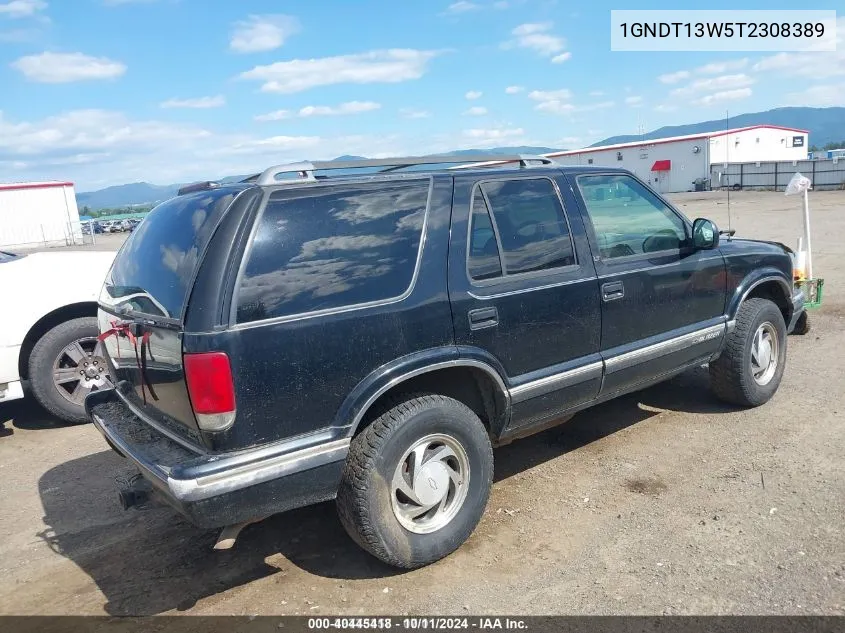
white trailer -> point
(674, 163)
(38, 213)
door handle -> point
(482, 318)
(612, 291)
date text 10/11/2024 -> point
(419, 623)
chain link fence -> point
(774, 176)
(47, 234)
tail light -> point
(212, 391)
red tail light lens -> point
(212, 391)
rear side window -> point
(155, 267)
(518, 226)
(320, 248)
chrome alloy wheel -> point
(430, 483)
(80, 369)
(764, 353)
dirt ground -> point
(662, 502)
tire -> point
(48, 356)
(369, 505)
(802, 325)
(732, 375)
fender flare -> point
(377, 383)
(751, 282)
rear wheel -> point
(750, 368)
(66, 365)
(416, 481)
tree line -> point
(829, 146)
(100, 213)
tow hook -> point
(134, 493)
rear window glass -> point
(319, 248)
(154, 268)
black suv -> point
(369, 330)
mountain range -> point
(826, 125)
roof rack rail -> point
(523, 159)
(304, 171)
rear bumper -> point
(213, 490)
(797, 309)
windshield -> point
(153, 271)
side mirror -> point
(705, 234)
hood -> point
(761, 246)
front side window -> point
(530, 234)
(320, 248)
(628, 219)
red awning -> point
(662, 165)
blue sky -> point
(104, 92)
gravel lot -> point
(664, 501)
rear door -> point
(523, 290)
(662, 302)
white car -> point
(48, 328)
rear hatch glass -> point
(152, 273)
(148, 288)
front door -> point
(523, 290)
(663, 302)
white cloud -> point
(666, 107)
(722, 96)
(512, 90)
(383, 66)
(21, 8)
(716, 68)
(820, 65)
(596, 93)
(350, 107)
(262, 33)
(549, 95)
(673, 78)
(536, 36)
(81, 131)
(559, 59)
(819, 95)
(556, 106)
(462, 7)
(276, 115)
(717, 84)
(473, 94)
(493, 136)
(413, 113)
(199, 103)
(634, 101)
(56, 68)
(476, 111)
(97, 148)
(809, 65)
(560, 102)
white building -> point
(672, 164)
(33, 213)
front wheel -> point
(416, 481)
(750, 368)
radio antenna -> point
(727, 164)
